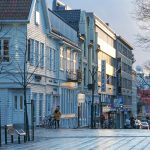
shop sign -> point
(106, 109)
(103, 76)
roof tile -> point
(15, 9)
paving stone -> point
(85, 139)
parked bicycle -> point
(48, 122)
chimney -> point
(107, 23)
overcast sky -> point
(118, 13)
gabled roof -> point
(72, 17)
(15, 9)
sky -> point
(119, 15)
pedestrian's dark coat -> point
(57, 115)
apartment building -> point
(106, 67)
(124, 79)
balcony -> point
(74, 76)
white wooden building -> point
(52, 60)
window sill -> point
(5, 63)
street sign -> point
(103, 76)
(81, 98)
(118, 102)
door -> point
(40, 107)
(35, 107)
(48, 105)
(18, 109)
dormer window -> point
(37, 13)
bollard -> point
(18, 139)
(12, 139)
(25, 139)
(5, 134)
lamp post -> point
(92, 87)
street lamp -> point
(92, 87)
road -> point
(86, 139)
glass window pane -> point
(21, 103)
(15, 103)
(41, 55)
(37, 53)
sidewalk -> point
(60, 139)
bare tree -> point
(143, 78)
(147, 66)
(142, 15)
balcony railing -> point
(74, 76)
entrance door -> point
(18, 109)
(35, 108)
(48, 105)
(40, 107)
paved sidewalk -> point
(85, 139)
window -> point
(21, 102)
(29, 50)
(36, 53)
(48, 104)
(32, 51)
(37, 13)
(15, 103)
(88, 21)
(68, 59)
(74, 62)
(4, 50)
(54, 60)
(51, 58)
(84, 76)
(61, 58)
(41, 55)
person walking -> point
(132, 121)
(57, 115)
(102, 119)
